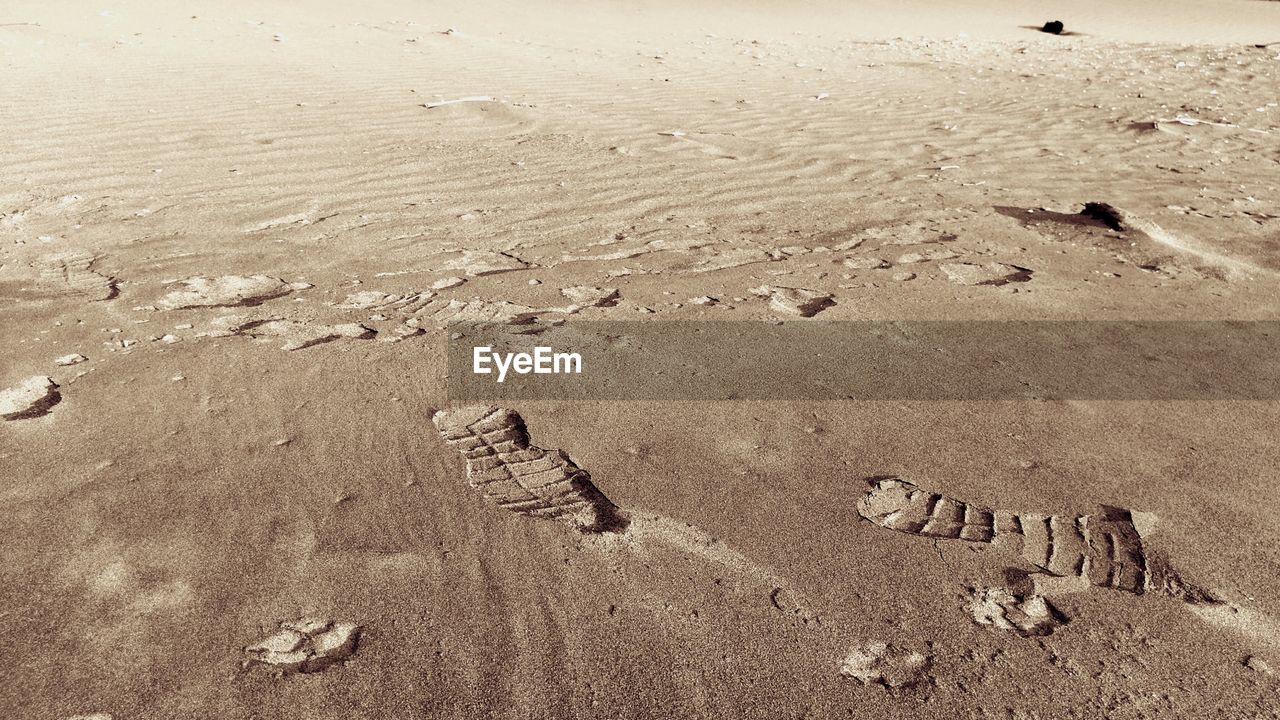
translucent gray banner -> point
(907, 360)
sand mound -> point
(225, 291)
(30, 398)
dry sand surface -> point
(231, 235)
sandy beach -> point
(234, 239)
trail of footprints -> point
(1103, 549)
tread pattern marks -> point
(522, 477)
(1104, 548)
(71, 274)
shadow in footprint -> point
(39, 409)
(1018, 579)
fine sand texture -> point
(234, 235)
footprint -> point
(801, 302)
(928, 255)
(381, 301)
(306, 645)
(441, 314)
(586, 296)
(72, 274)
(718, 259)
(477, 263)
(879, 663)
(1103, 549)
(522, 477)
(992, 273)
(526, 479)
(479, 116)
(646, 528)
(725, 146)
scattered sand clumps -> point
(1001, 609)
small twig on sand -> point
(17, 24)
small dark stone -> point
(1053, 26)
